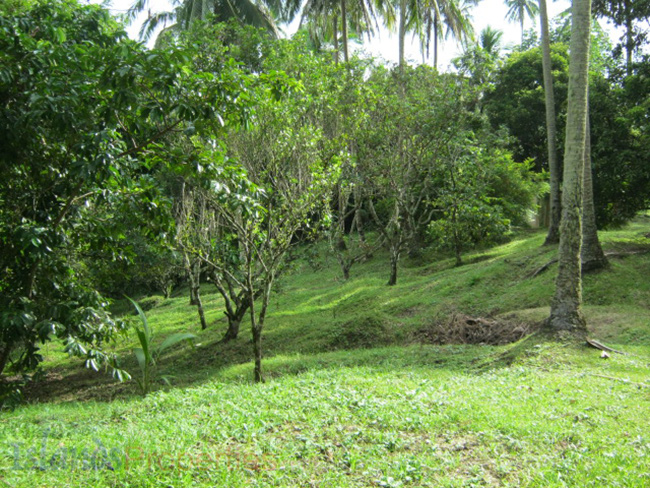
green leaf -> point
(175, 339)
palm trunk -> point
(435, 41)
(402, 32)
(629, 42)
(335, 33)
(566, 313)
(593, 256)
(344, 31)
(553, 235)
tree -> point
(80, 104)
(412, 117)
(188, 12)
(591, 253)
(443, 18)
(553, 234)
(480, 61)
(518, 100)
(518, 10)
(324, 22)
(629, 14)
(360, 15)
(566, 313)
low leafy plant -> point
(148, 355)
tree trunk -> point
(191, 278)
(566, 313)
(402, 32)
(335, 33)
(257, 350)
(553, 235)
(199, 307)
(593, 256)
(394, 259)
(435, 41)
(257, 326)
(233, 328)
(195, 291)
(344, 31)
(4, 357)
(629, 40)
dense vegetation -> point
(359, 217)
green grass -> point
(353, 399)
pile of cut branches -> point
(459, 328)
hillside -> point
(360, 391)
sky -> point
(384, 44)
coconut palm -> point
(591, 253)
(490, 41)
(518, 10)
(186, 12)
(324, 17)
(553, 235)
(440, 19)
(566, 313)
(331, 21)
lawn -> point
(358, 393)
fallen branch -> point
(541, 269)
(603, 347)
(622, 380)
(620, 254)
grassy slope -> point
(395, 413)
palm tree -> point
(436, 15)
(186, 12)
(592, 255)
(324, 18)
(518, 10)
(566, 313)
(553, 235)
(490, 41)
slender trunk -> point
(4, 357)
(344, 31)
(199, 307)
(394, 259)
(335, 33)
(257, 327)
(195, 288)
(566, 313)
(343, 204)
(435, 41)
(593, 256)
(257, 351)
(522, 31)
(190, 276)
(629, 41)
(345, 267)
(358, 219)
(553, 235)
(402, 32)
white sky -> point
(384, 44)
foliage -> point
(482, 193)
(148, 355)
(517, 101)
(84, 113)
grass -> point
(353, 399)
